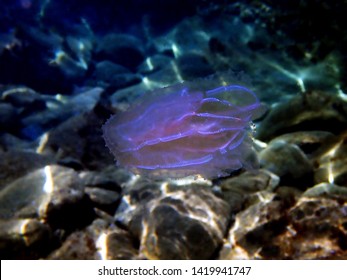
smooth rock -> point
(240, 189)
(110, 177)
(122, 49)
(10, 142)
(71, 162)
(24, 239)
(15, 164)
(104, 199)
(80, 138)
(53, 193)
(310, 111)
(328, 191)
(121, 246)
(288, 162)
(114, 75)
(164, 77)
(123, 97)
(308, 141)
(251, 181)
(192, 66)
(67, 206)
(154, 63)
(25, 193)
(23, 97)
(41, 121)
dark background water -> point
(304, 33)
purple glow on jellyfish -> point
(178, 132)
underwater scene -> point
(166, 129)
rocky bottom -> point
(68, 200)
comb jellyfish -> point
(180, 131)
